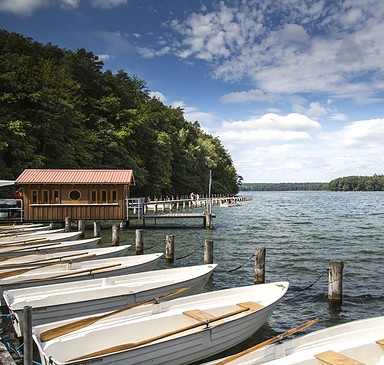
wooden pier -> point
(142, 210)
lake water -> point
(301, 232)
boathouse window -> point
(34, 196)
(45, 197)
(56, 196)
(113, 196)
(93, 196)
(103, 196)
(74, 194)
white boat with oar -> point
(48, 257)
(45, 247)
(21, 235)
(178, 331)
(56, 302)
(12, 230)
(355, 343)
(41, 237)
(73, 270)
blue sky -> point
(294, 89)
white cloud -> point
(158, 95)
(147, 52)
(104, 57)
(193, 114)
(107, 4)
(22, 7)
(286, 48)
(250, 96)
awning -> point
(6, 183)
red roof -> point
(59, 176)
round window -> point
(74, 195)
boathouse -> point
(51, 195)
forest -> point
(347, 183)
(60, 109)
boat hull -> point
(358, 340)
(153, 321)
(69, 301)
(86, 270)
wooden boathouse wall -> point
(53, 195)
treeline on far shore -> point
(348, 183)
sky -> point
(292, 88)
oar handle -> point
(81, 323)
(131, 345)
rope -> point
(310, 285)
(190, 254)
(239, 267)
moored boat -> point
(358, 342)
(87, 297)
(48, 257)
(75, 270)
(7, 242)
(179, 331)
(24, 248)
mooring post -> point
(27, 335)
(259, 266)
(139, 242)
(67, 224)
(96, 229)
(207, 220)
(81, 227)
(335, 282)
(208, 252)
(115, 235)
(170, 248)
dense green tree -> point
(59, 109)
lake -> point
(301, 232)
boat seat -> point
(251, 305)
(334, 358)
(380, 342)
(202, 316)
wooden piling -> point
(139, 242)
(81, 227)
(260, 266)
(208, 220)
(208, 252)
(170, 248)
(335, 282)
(67, 224)
(27, 336)
(96, 229)
(115, 235)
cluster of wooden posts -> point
(335, 270)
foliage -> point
(358, 183)
(309, 186)
(59, 109)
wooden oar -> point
(71, 273)
(16, 272)
(267, 342)
(131, 345)
(23, 242)
(81, 323)
(44, 249)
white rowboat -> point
(355, 343)
(179, 331)
(76, 270)
(87, 297)
(44, 258)
(22, 249)
(23, 235)
(9, 242)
